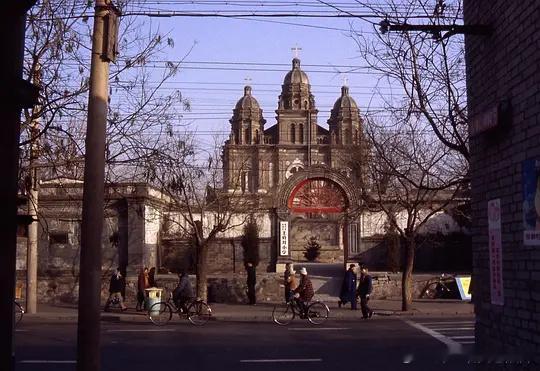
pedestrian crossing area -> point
(457, 334)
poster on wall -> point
(283, 238)
(531, 201)
(495, 252)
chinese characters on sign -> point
(495, 252)
(530, 170)
(283, 238)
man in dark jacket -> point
(183, 292)
(115, 290)
(348, 288)
(251, 281)
(365, 287)
(304, 292)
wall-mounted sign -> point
(530, 179)
(495, 116)
(283, 238)
(495, 252)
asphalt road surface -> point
(376, 344)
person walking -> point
(251, 281)
(365, 287)
(142, 284)
(152, 277)
(348, 288)
(115, 290)
(304, 292)
(290, 282)
(183, 292)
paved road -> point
(377, 344)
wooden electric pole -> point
(33, 190)
(103, 52)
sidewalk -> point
(263, 311)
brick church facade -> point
(306, 177)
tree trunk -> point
(201, 270)
(406, 279)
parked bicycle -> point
(18, 311)
(316, 313)
(440, 287)
(197, 312)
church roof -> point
(247, 101)
(296, 75)
(344, 102)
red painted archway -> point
(317, 195)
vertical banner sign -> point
(283, 238)
(495, 252)
(530, 180)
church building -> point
(304, 177)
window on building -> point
(246, 136)
(256, 136)
(347, 136)
(301, 133)
(58, 237)
(293, 133)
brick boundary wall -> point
(504, 68)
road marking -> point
(447, 323)
(461, 337)
(453, 346)
(452, 328)
(38, 361)
(21, 330)
(281, 360)
(318, 328)
(467, 342)
(143, 330)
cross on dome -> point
(295, 50)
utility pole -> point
(33, 190)
(15, 94)
(103, 51)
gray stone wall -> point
(503, 67)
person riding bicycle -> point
(304, 292)
(183, 292)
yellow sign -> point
(464, 286)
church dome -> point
(296, 75)
(345, 102)
(247, 101)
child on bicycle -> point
(183, 292)
(304, 292)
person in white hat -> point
(304, 292)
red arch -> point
(317, 195)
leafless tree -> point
(191, 175)
(425, 70)
(412, 177)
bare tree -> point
(413, 176)
(191, 176)
(426, 71)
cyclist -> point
(304, 292)
(183, 292)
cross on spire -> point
(247, 79)
(295, 50)
(345, 81)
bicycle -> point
(316, 313)
(197, 312)
(438, 287)
(18, 312)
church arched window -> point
(301, 133)
(257, 141)
(246, 136)
(347, 136)
(293, 133)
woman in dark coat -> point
(348, 288)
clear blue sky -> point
(213, 93)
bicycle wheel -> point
(317, 313)
(199, 313)
(430, 291)
(160, 313)
(18, 312)
(283, 314)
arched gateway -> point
(322, 203)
